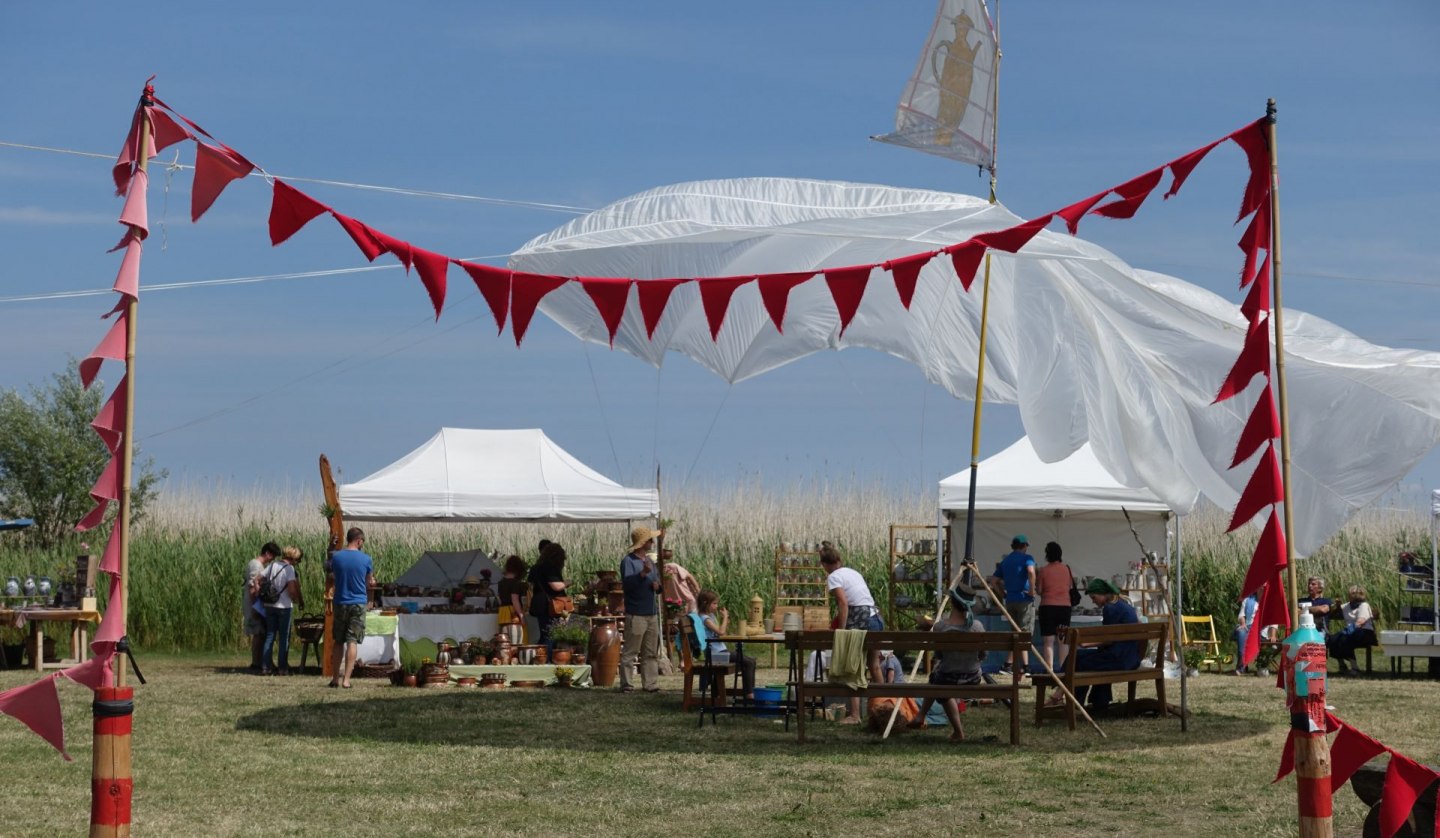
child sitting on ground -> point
(954, 667)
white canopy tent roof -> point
(1089, 348)
(469, 475)
(1017, 478)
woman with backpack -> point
(278, 590)
(1058, 594)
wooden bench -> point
(1078, 636)
(977, 643)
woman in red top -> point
(1054, 582)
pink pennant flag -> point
(1012, 239)
(164, 131)
(135, 213)
(526, 292)
(215, 169)
(966, 257)
(432, 267)
(1257, 302)
(1255, 239)
(1270, 557)
(109, 423)
(112, 625)
(715, 294)
(37, 705)
(1263, 489)
(107, 485)
(110, 559)
(609, 295)
(1405, 779)
(94, 518)
(1252, 139)
(654, 296)
(847, 289)
(290, 210)
(361, 234)
(127, 280)
(124, 167)
(1073, 213)
(1254, 360)
(1181, 167)
(775, 293)
(1350, 750)
(494, 285)
(93, 673)
(1132, 194)
(111, 347)
(905, 271)
(1262, 426)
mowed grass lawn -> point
(218, 752)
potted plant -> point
(568, 637)
(1193, 659)
(564, 676)
(481, 651)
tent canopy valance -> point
(471, 475)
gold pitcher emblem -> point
(956, 78)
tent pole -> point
(1180, 610)
(337, 541)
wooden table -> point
(774, 641)
(37, 618)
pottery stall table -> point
(545, 673)
(382, 640)
(419, 633)
(37, 618)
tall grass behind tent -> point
(189, 553)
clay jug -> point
(604, 653)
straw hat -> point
(640, 536)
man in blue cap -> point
(1017, 573)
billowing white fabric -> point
(1088, 347)
(462, 474)
(1018, 479)
(1435, 503)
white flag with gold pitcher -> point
(948, 107)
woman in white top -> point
(286, 583)
(855, 609)
(1359, 631)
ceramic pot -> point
(409, 680)
(561, 656)
(563, 681)
(578, 658)
(604, 653)
(541, 655)
(480, 660)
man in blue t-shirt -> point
(1017, 573)
(640, 580)
(352, 575)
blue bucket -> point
(769, 700)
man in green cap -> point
(1110, 657)
(1017, 573)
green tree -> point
(50, 457)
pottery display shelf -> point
(37, 618)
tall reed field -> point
(188, 555)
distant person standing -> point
(353, 573)
(1017, 573)
(255, 617)
(1054, 583)
(513, 592)
(1243, 621)
(680, 584)
(547, 581)
(640, 579)
(285, 581)
(854, 609)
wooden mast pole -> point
(337, 542)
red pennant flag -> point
(1287, 753)
(290, 209)
(127, 279)
(1405, 779)
(1073, 213)
(215, 169)
(1254, 360)
(1255, 239)
(1257, 302)
(107, 485)
(94, 518)
(1272, 612)
(1132, 194)
(906, 272)
(111, 347)
(715, 294)
(494, 285)
(609, 295)
(1014, 238)
(775, 292)
(112, 625)
(966, 257)
(1350, 750)
(526, 292)
(110, 559)
(1269, 559)
(164, 131)
(847, 289)
(124, 167)
(135, 213)
(401, 250)
(94, 673)
(1263, 425)
(363, 236)
(1253, 141)
(654, 295)
(1181, 167)
(1263, 489)
(109, 423)
(37, 705)
(432, 267)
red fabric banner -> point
(401, 250)
(775, 292)
(1255, 239)
(110, 559)
(111, 347)
(847, 289)
(906, 272)
(1254, 360)
(215, 169)
(164, 131)
(1073, 213)
(1262, 426)
(1269, 559)
(1350, 750)
(290, 210)
(107, 485)
(37, 705)
(1252, 139)
(1257, 302)
(654, 295)
(1272, 612)
(127, 279)
(93, 673)
(432, 267)
(94, 518)
(526, 292)
(1181, 167)
(494, 285)
(609, 295)
(112, 625)
(1012, 239)
(1405, 779)
(1263, 489)
(109, 423)
(361, 234)
(135, 213)
(1132, 194)
(965, 257)
(1287, 757)
(715, 294)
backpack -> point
(267, 592)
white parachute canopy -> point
(1088, 347)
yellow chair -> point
(1203, 639)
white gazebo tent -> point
(469, 475)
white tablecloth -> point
(457, 627)
(422, 601)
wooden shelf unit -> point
(1148, 591)
(799, 578)
(919, 569)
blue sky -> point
(579, 104)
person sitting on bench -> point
(705, 607)
(956, 667)
(1359, 631)
(1111, 657)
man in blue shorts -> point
(1017, 573)
(353, 574)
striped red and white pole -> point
(111, 784)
